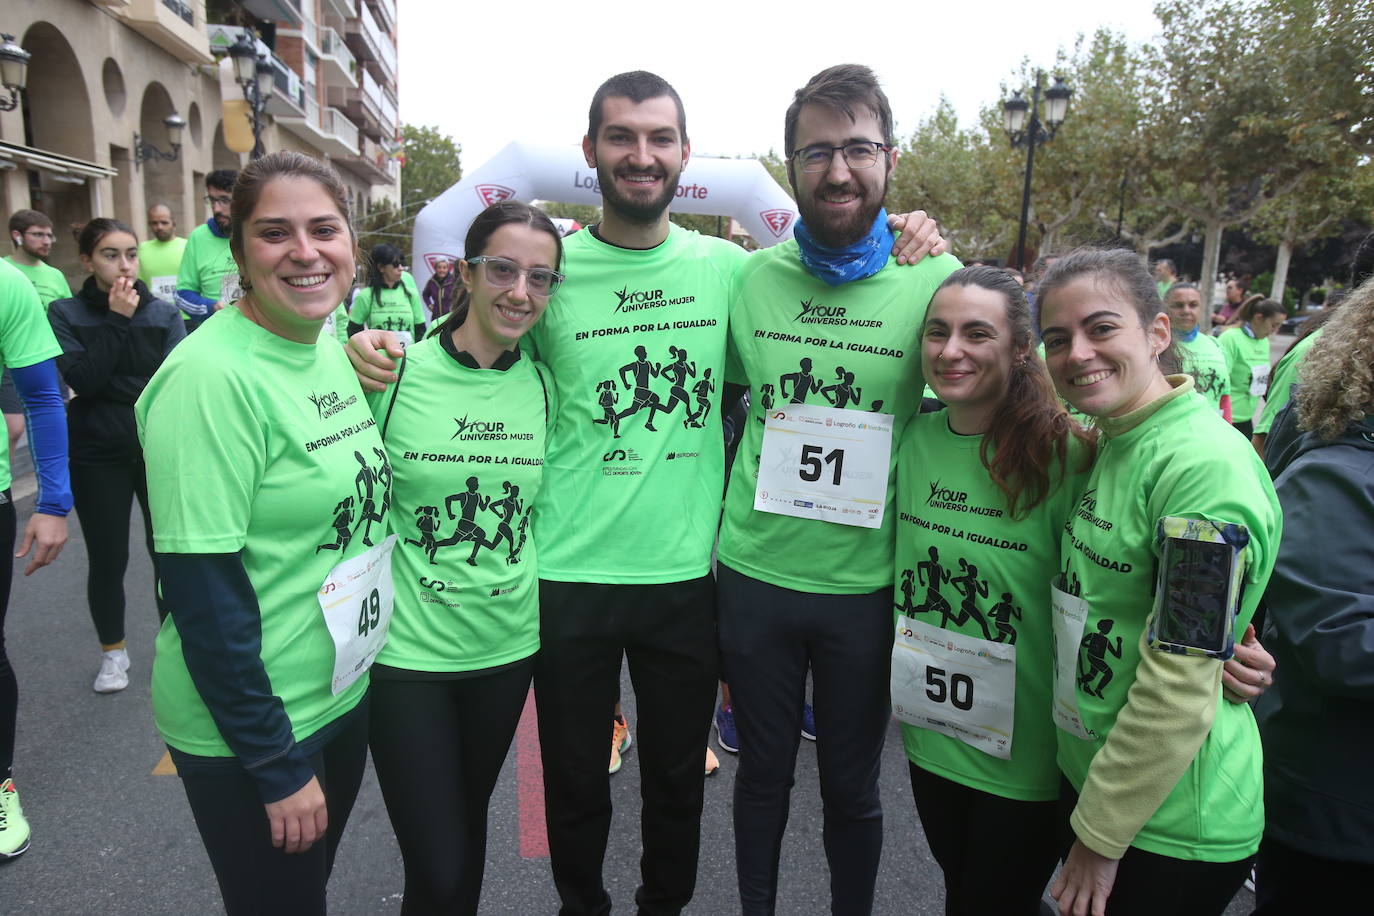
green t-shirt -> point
(26, 338)
(1281, 382)
(336, 325)
(1245, 356)
(398, 309)
(781, 319)
(159, 264)
(205, 262)
(1168, 465)
(635, 467)
(467, 449)
(960, 554)
(1204, 360)
(46, 279)
(300, 483)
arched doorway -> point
(162, 181)
(58, 119)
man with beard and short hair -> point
(208, 274)
(796, 591)
(32, 234)
(628, 523)
(159, 257)
(1202, 356)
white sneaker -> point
(113, 676)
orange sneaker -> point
(620, 741)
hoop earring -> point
(244, 283)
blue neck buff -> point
(1191, 335)
(836, 266)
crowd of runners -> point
(495, 483)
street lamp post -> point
(255, 77)
(1021, 134)
(14, 63)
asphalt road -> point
(113, 833)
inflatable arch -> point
(740, 188)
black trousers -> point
(769, 636)
(1288, 880)
(438, 746)
(1148, 884)
(668, 634)
(9, 684)
(256, 878)
(103, 495)
(997, 853)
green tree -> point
(432, 166)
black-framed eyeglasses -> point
(212, 200)
(541, 281)
(861, 154)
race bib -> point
(954, 684)
(1259, 380)
(164, 288)
(229, 288)
(825, 463)
(1070, 616)
(357, 598)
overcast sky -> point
(490, 72)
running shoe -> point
(14, 830)
(808, 722)
(712, 763)
(620, 741)
(1250, 880)
(725, 730)
(114, 668)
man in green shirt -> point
(32, 235)
(159, 258)
(1166, 275)
(206, 264)
(1201, 355)
(805, 560)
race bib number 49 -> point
(357, 599)
(825, 463)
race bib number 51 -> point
(825, 463)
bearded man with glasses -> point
(208, 278)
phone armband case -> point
(1197, 594)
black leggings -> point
(9, 685)
(1148, 884)
(103, 495)
(254, 876)
(438, 747)
(997, 854)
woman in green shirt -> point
(450, 685)
(983, 489)
(1247, 355)
(390, 301)
(1162, 780)
(272, 548)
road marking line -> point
(529, 777)
(165, 767)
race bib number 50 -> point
(825, 463)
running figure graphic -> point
(507, 508)
(1002, 612)
(931, 574)
(343, 526)
(384, 477)
(641, 370)
(523, 530)
(365, 485)
(908, 588)
(469, 501)
(803, 382)
(1095, 648)
(607, 396)
(844, 390)
(677, 373)
(427, 521)
(703, 390)
(972, 588)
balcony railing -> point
(386, 107)
(333, 49)
(335, 122)
(381, 41)
(181, 9)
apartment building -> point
(104, 75)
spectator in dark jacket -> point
(114, 335)
(441, 292)
(1318, 722)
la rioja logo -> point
(778, 221)
(494, 193)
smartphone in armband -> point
(1197, 594)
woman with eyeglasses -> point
(390, 301)
(465, 424)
